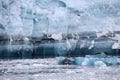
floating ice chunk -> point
(85, 61)
(99, 63)
(93, 61)
(111, 61)
(57, 37)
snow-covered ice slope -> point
(34, 17)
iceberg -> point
(108, 61)
(90, 62)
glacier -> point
(33, 17)
(59, 39)
(59, 27)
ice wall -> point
(34, 17)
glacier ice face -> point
(32, 17)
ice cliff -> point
(35, 17)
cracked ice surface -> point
(47, 69)
(32, 17)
